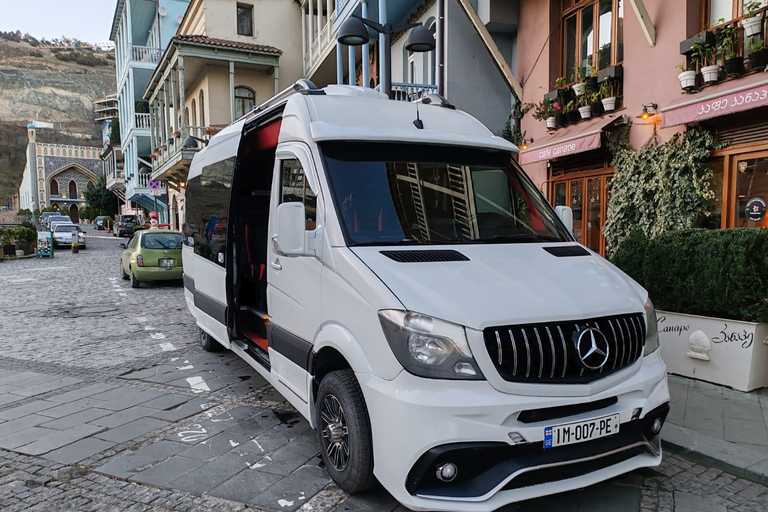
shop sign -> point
(727, 103)
(755, 209)
(561, 149)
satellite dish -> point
(179, 18)
(162, 11)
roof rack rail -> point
(301, 86)
(435, 99)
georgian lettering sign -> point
(727, 103)
(560, 149)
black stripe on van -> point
(189, 283)
(211, 307)
(289, 345)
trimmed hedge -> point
(720, 273)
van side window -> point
(295, 189)
(207, 206)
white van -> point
(390, 269)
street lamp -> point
(191, 142)
(354, 32)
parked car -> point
(101, 220)
(124, 225)
(151, 255)
(58, 218)
(45, 216)
(55, 223)
(64, 235)
(415, 297)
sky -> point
(86, 20)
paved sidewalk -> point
(720, 425)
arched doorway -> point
(74, 214)
(72, 189)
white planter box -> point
(721, 351)
(551, 123)
(752, 26)
(585, 112)
(711, 74)
(687, 79)
(609, 103)
(578, 88)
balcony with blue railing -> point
(410, 92)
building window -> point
(593, 36)
(245, 99)
(202, 108)
(72, 189)
(245, 19)
(715, 10)
(54, 188)
(194, 113)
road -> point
(107, 402)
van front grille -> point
(547, 352)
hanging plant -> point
(660, 187)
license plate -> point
(167, 263)
(581, 431)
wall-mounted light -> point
(646, 114)
(525, 143)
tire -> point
(122, 272)
(208, 343)
(341, 401)
(135, 283)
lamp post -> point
(354, 32)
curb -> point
(745, 461)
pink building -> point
(638, 44)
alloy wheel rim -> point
(334, 432)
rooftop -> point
(223, 43)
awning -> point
(718, 100)
(570, 140)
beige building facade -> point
(226, 57)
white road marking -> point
(167, 347)
(197, 384)
(188, 367)
(284, 503)
(233, 443)
(22, 280)
(257, 444)
(157, 336)
(123, 294)
(149, 328)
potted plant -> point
(726, 46)
(758, 54)
(585, 108)
(560, 119)
(564, 93)
(687, 77)
(578, 81)
(591, 79)
(571, 114)
(703, 55)
(753, 22)
(544, 111)
(595, 103)
(607, 95)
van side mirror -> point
(566, 215)
(289, 239)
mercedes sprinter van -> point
(390, 269)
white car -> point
(63, 235)
(391, 270)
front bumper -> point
(417, 422)
(157, 273)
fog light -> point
(447, 472)
(636, 413)
(656, 427)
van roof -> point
(344, 112)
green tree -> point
(99, 198)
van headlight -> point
(651, 329)
(428, 347)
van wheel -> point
(208, 343)
(344, 432)
(135, 283)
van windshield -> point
(390, 194)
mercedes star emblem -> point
(591, 347)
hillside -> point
(36, 85)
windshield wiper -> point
(521, 238)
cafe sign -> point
(727, 103)
(560, 149)
(755, 209)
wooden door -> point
(587, 197)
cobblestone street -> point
(107, 402)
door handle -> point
(276, 265)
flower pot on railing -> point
(561, 119)
(578, 88)
(758, 59)
(734, 66)
(752, 26)
(573, 117)
(585, 112)
(687, 80)
(597, 108)
(176, 135)
(609, 103)
(711, 74)
(552, 123)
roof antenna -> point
(418, 123)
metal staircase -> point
(418, 200)
(460, 182)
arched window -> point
(54, 187)
(245, 99)
(194, 113)
(202, 108)
(186, 115)
(72, 189)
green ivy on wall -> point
(658, 188)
